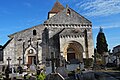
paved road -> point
(107, 76)
(114, 74)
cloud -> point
(100, 7)
(106, 27)
(28, 4)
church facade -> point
(65, 33)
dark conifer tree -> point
(101, 44)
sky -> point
(17, 15)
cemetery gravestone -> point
(19, 59)
(54, 76)
(52, 59)
(62, 71)
(0, 68)
(19, 69)
(33, 68)
(7, 71)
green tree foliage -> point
(88, 62)
(41, 76)
(102, 45)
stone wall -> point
(9, 52)
(90, 44)
(15, 47)
(80, 39)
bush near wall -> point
(88, 62)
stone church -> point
(66, 33)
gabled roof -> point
(63, 18)
(57, 7)
(7, 43)
(12, 35)
(116, 46)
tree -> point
(102, 45)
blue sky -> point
(17, 15)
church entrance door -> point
(73, 52)
(70, 56)
(31, 60)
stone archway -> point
(30, 56)
(70, 53)
(73, 50)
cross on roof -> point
(52, 59)
(8, 61)
(19, 59)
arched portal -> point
(73, 51)
(70, 54)
(30, 56)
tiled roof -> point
(63, 18)
(57, 7)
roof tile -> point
(57, 7)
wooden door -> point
(29, 60)
(70, 56)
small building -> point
(116, 49)
(116, 52)
(112, 58)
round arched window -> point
(30, 51)
(68, 12)
(34, 32)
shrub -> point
(88, 62)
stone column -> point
(86, 43)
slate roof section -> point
(7, 43)
(57, 8)
(116, 46)
(12, 35)
(63, 18)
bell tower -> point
(56, 8)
